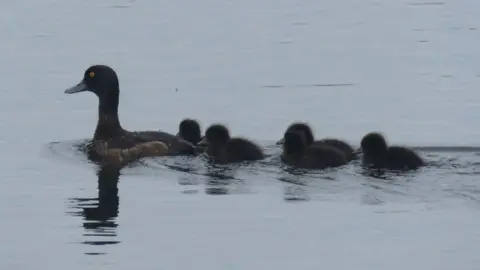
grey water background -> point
(410, 69)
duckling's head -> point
(189, 130)
(101, 80)
(302, 127)
(374, 144)
(294, 142)
(216, 135)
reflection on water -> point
(219, 179)
(99, 213)
(294, 189)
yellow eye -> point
(91, 74)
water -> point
(408, 68)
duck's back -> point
(239, 149)
(176, 145)
(399, 157)
(127, 139)
(341, 145)
(321, 157)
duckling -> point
(190, 131)
(102, 80)
(377, 154)
(297, 153)
(224, 149)
(348, 151)
(121, 157)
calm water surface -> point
(408, 68)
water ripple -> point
(449, 175)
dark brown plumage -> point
(297, 153)
(377, 154)
(221, 148)
(103, 81)
(190, 131)
(309, 139)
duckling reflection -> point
(294, 185)
(100, 213)
(219, 180)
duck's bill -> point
(80, 87)
(280, 142)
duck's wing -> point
(403, 157)
(176, 145)
(148, 136)
(323, 156)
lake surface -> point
(410, 69)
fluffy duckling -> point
(297, 153)
(120, 157)
(309, 139)
(224, 149)
(189, 130)
(377, 154)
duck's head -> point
(103, 81)
(99, 79)
(216, 135)
(302, 127)
(294, 142)
(189, 130)
(374, 144)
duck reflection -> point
(99, 213)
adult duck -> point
(102, 80)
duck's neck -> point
(108, 125)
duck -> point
(120, 157)
(298, 153)
(348, 150)
(102, 80)
(377, 154)
(189, 130)
(223, 149)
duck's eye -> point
(91, 74)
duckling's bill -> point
(203, 142)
